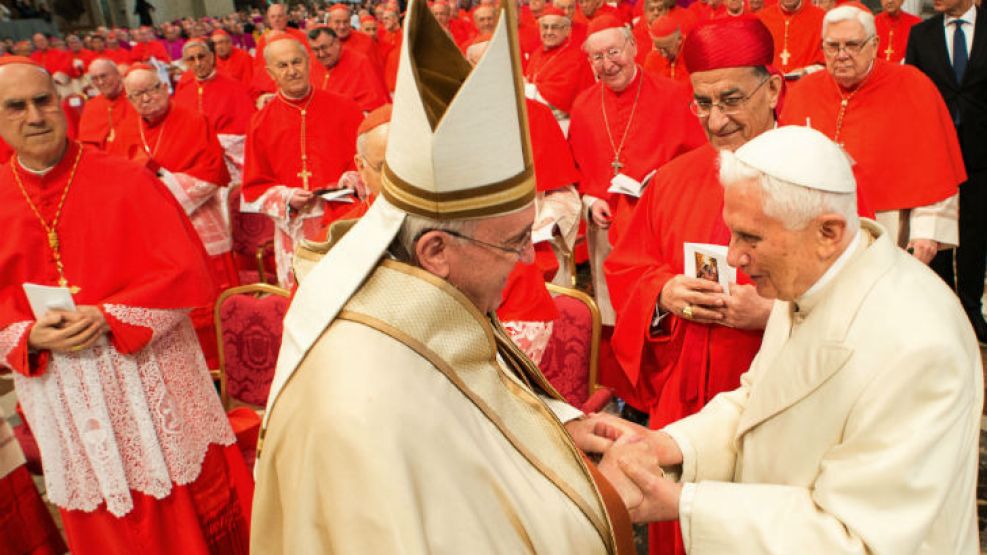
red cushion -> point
(250, 231)
(251, 340)
(567, 356)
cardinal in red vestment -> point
(103, 115)
(622, 129)
(558, 71)
(182, 148)
(221, 99)
(231, 60)
(848, 102)
(664, 61)
(297, 148)
(795, 26)
(682, 339)
(346, 71)
(893, 25)
(137, 452)
(339, 22)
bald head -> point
(105, 76)
(286, 61)
(33, 123)
(147, 94)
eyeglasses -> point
(728, 106)
(149, 92)
(16, 108)
(553, 26)
(608, 54)
(852, 47)
(516, 251)
(376, 167)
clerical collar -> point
(299, 100)
(630, 84)
(831, 272)
(207, 77)
(40, 173)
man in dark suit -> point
(948, 50)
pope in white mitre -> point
(401, 418)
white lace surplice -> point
(107, 423)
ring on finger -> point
(687, 311)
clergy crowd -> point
(780, 205)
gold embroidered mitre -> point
(458, 144)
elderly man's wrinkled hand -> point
(659, 495)
(745, 309)
(628, 448)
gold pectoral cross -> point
(304, 175)
(890, 50)
(785, 55)
(616, 165)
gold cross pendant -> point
(304, 175)
(785, 55)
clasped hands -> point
(62, 331)
(631, 458)
(743, 308)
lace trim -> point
(10, 337)
(530, 336)
(108, 423)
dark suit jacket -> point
(927, 51)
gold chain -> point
(844, 102)
(304, 174)
(157, 143)
(606, 123)
(52, 230)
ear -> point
(433, 253)
(774, 90)
(358, 162)
(830, 233)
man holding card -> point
(681, 339)
(137, 452)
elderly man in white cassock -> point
(856, 428)
(401, 418)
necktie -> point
(960, 54)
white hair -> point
(361, 139)
(624, 30)
(793, 205)
(194, 44)
(414, 226)
(850, 13)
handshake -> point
(633, 457)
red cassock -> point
(560, 74)
(676, 371)
(525, 297)
(274, 155)
(661, 129)
(25, 524)
(797, 35)
(659, 66)
(893, 34)
(529, 37)
(221, 99)
(53, 60)
(183, 142)
(102, 118)
(79, 62)
(126, 245)
(643, 39)
(918, 126)
(238, 65)
(352, 78)
(701, 11)
(359, 42)
(144, 51)
(387, 41)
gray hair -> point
(850, 13)
(624, 29)
(197, 44)
(793, 205)
(414, 226)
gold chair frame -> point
(596, 334)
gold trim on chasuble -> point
(461, 344)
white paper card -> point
(43, 298)
(706, 261)
(338, 195)
(625, 185)
(543, 234)
(530, 90)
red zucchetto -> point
(728, 42)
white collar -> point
(833, 270)
(968, 16)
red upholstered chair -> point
(248, 325)
(249, 320)
(571, 357)
(253, 242)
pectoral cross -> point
(304, 175)
(785, 55)
(890, 50)
(616, 165)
